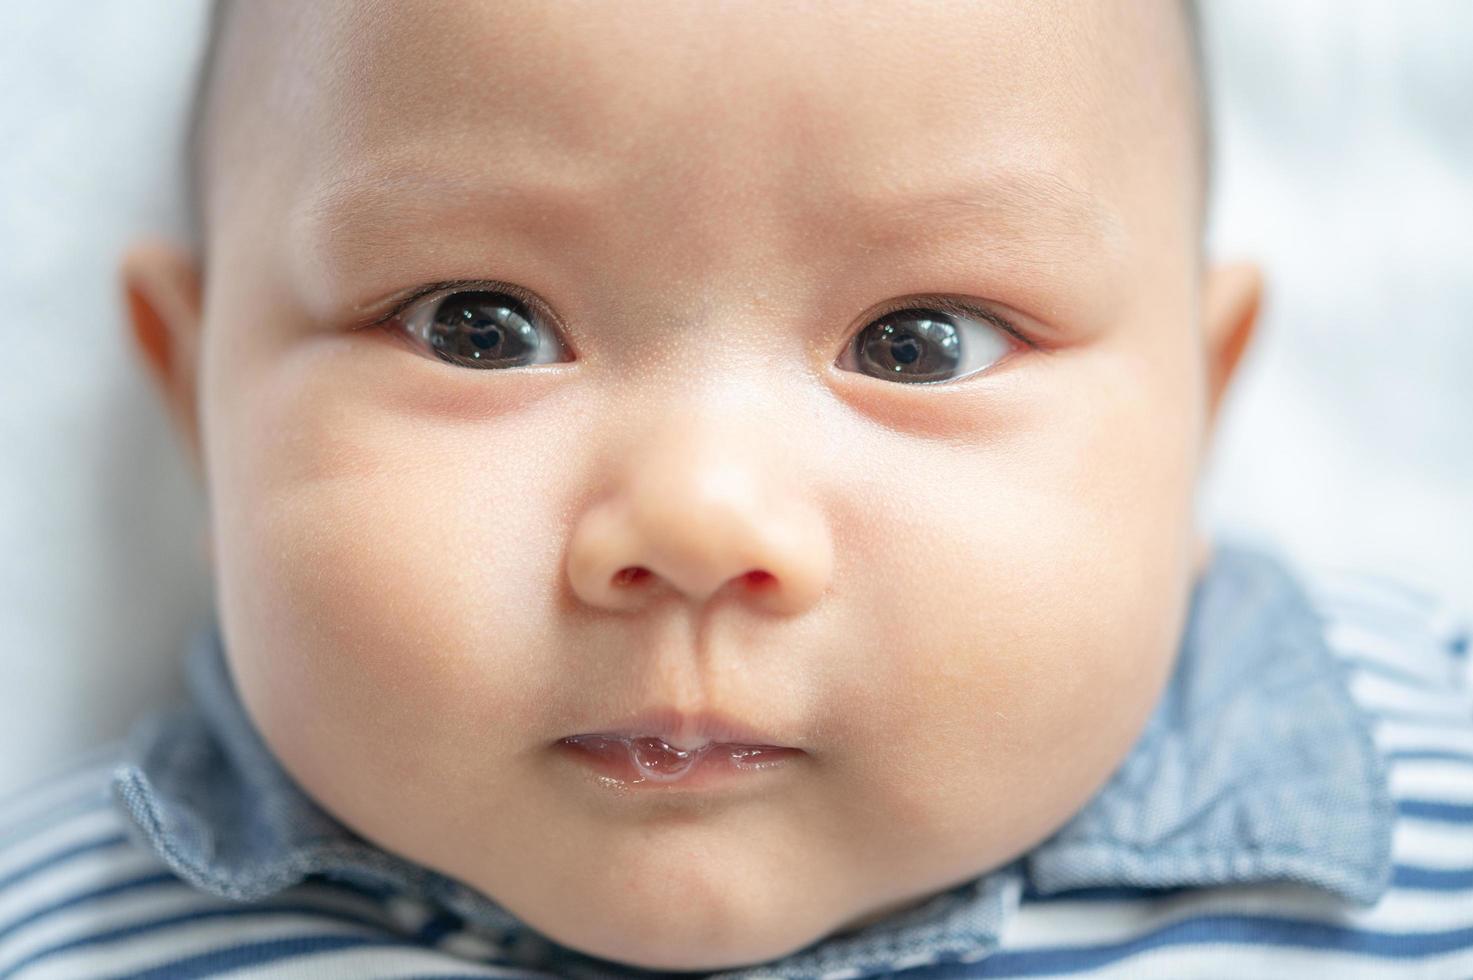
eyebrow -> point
(1022, 215)
(1027, 205)
(343, 212)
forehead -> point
(1059, 122)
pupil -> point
(483, 327)
(915, 345)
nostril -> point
(635, 574)
(631, 575)
(758, 578)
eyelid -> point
(945, 304)
(402, 302)
(956, 307)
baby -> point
(711, 487)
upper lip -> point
(674, 725)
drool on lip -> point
(656, 760)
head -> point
(852, 376)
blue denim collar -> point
(1256, 766)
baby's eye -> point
(483, 329)
(920, 345)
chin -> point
(678, 952)
(659, 925)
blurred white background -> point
(1344, 163)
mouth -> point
(665, 747)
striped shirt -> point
(1300, 805)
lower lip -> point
(719, 765)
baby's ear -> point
(1231, 297)
(162, 287)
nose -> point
(691, 514)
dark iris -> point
(489, 328)
(910, 345)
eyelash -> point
(956, 307)
(419, 292)
(943, 304)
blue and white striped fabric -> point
(84, 894)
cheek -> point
(1038, 591)
(384, 586)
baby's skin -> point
(847, 370)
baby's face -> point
(709, 251)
